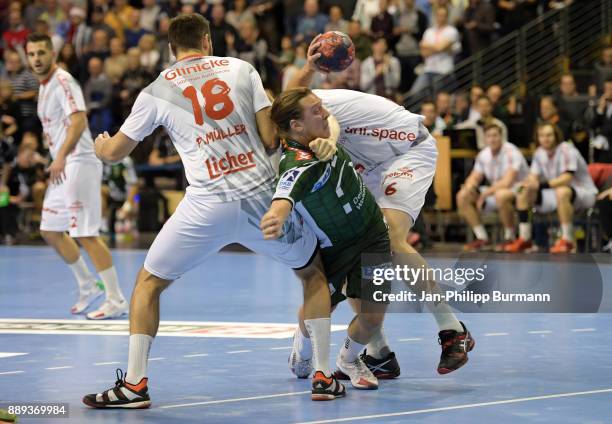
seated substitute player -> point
(502, 165)
(396, 157)
(72, 201)
(332, 198)
(558, 179)
(222, 144)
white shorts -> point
(75, 205)
(200, 227)
(584, 199)
(402, 182)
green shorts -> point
(344, 263)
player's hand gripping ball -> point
(337, 51)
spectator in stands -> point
(134, 80)
(149, 56)
(32, 13)
(53, 15)
(116, 64)
(381, 72)
(601, 124)
(266, 12)
(240, 12)
(251, 48)
(68, 60)
(456, 10)
(163, 42)
(310, 23)
(97, 22)
(558, 180)
(602, 177)
(410, 25)
(9, 111)
(479, 25)
(133, 32)
(219, 29)
(382, 24)
(76, 31)
(603, 68)
(99, 46)
(495, 93)
(363, 43)
(476, 92)
(349, 79)
(461, 107)
(118, 17)
(485, 111)
(433, 122)
(98, 93)
(25, 90)
(549, 112)
(15, 35)
(336, 21)
(364, 11)
(513, 14)
(490, 187)
(439, 45)
(444, 108)
(149, 14)
(287, 53)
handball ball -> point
(337, 51)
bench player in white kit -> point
(396, 157)
(217, 114)
(72, 201)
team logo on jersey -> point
(229, 164)
(402, 173)
(288, 179)
(321, 182)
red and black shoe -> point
(326, 388)
(455, 347)
(123, 395)
(386, 368)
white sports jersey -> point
(372, 129)
(59, 97)
(495, 167)
(207, 105)
(566, 158)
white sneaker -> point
(86, 299)
(361, 377)
(302, 368)
(110, 309)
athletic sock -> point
(304, 345)
(567, 232)
(509, 233)
(524, 225)
(320, 335)
(140, 345)
(350, 349)
(480, 232)
(84, 278)
(444, 316)
(111, 284)
(378, 347)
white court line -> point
(156, 359)
(281, 348)
(215, 402)
(540, 332)
(11, 372)
(239, 351)
(495, 334)
(59, 368)
(194, 355)
(582, 330)
(466, 406)
(106, 363)
(410, 339)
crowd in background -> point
(117, 47)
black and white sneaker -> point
(455, 348)
(326, 388)
(386, 368)
(123, 395)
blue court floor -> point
(221, 356)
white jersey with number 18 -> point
(207, 105)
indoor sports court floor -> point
(532, 368)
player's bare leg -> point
(466, 206)
(456, 341)
(504, 198)
(67, 248)
(132, 391)
(565, 211)
(317, 310)
(115, 304)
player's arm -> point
(472, 182)
(272, 222)
(304, 76)
(78, 123)
(266, 129)
(504, 182)
(562, 180)
(115, 148)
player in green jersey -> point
(333, 200)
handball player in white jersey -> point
(72, 201)
(396, 157)
(216, 112)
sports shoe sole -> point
(132, 405)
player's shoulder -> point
(64, 77)
(484, 154)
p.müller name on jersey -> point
(172, 73)
(229, 164)
(219, 134)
